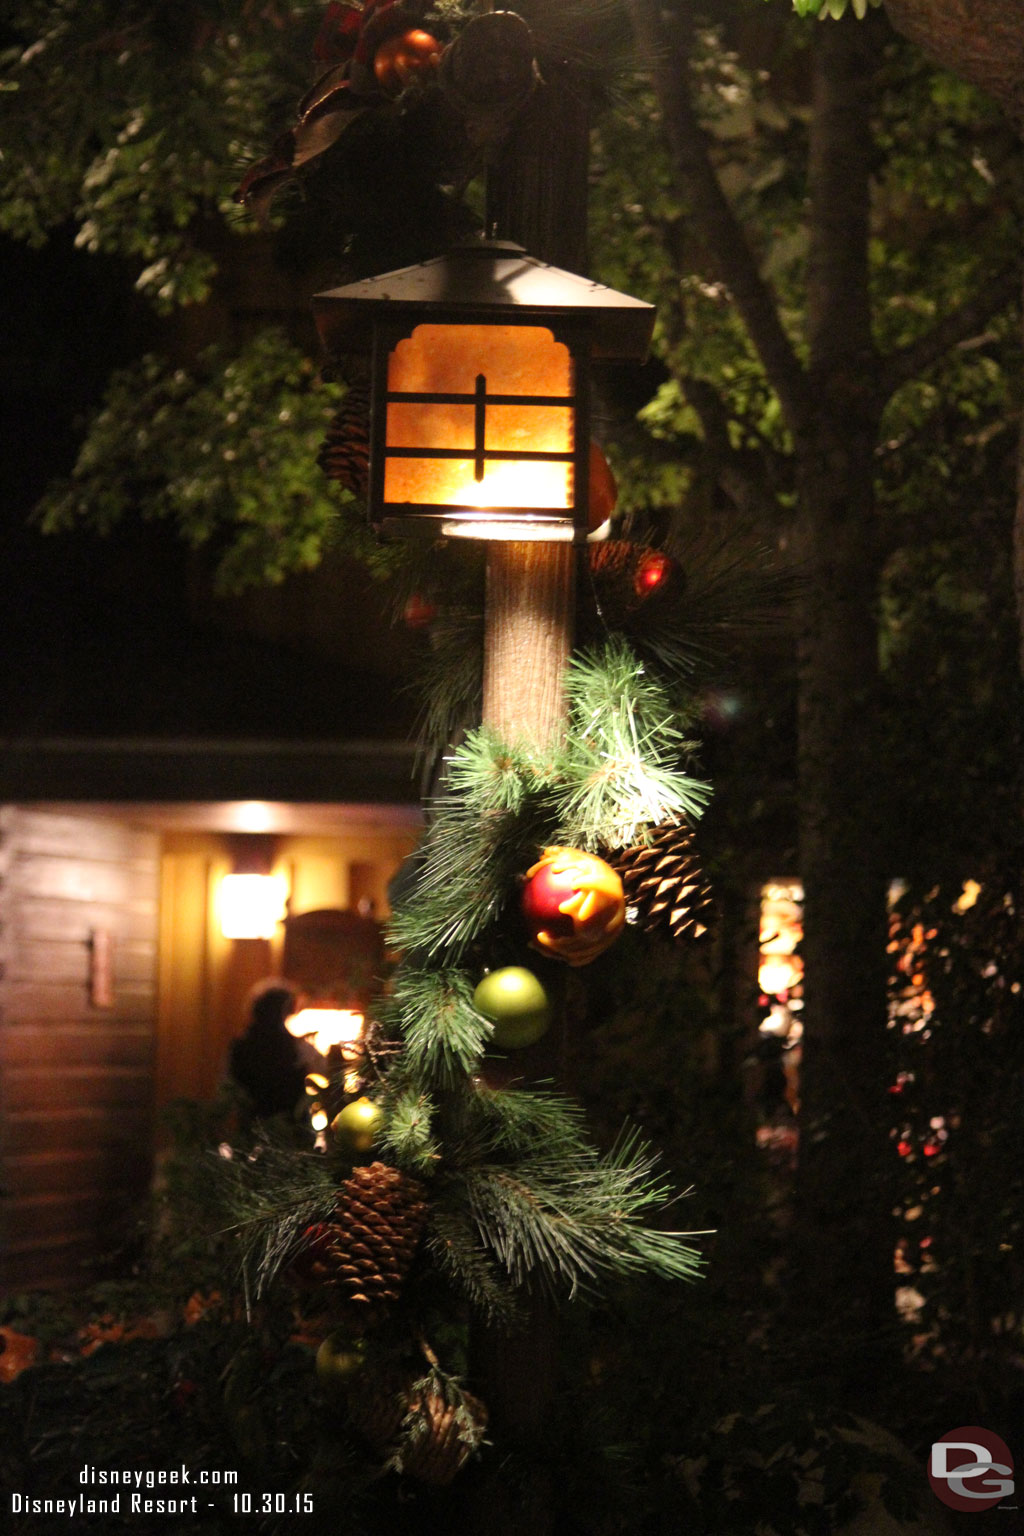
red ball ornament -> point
(573, 905)
(603, 489)
(405, 57)
(653, 573)
(419, 612)
(315, 1250)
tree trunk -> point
(843, 1246)
(842, 1243)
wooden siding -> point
(76, 1079)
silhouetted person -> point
(266, 1060)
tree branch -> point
(959, 325)
(740, 475)
(719, 227)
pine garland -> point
(519, 1194)
(519, 1200)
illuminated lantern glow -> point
(326, 1026)
(251, 906)
(480, 416)
(480, 400)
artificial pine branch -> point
(444, 1035)
(622, 758)
(407, 1136)
(517, 1122)
(470, 863)
(494, 778)
(549, 1220)
(450, 679)
(732, 585)
(269, 1198)
(453, 1240)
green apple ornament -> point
(356, 1125)
(516, 1004)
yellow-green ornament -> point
(516, 1004)
(356, 1126)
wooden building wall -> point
(76, 1067)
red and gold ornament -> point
(406, 57)
(573, 905)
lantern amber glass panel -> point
(480, 416)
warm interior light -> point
(326, 1027)
(779, 973)
(251, 906)
(968, 897)
(503, 390)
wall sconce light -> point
(480, 398)
(251, 906)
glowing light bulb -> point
(251, 906)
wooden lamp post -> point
(480, 428)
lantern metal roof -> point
(488, 281)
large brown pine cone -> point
(664, 884)
(345, 452)
(363, 1255)
(379, 1215)
(441, 1440)
(437, 1439)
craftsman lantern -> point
(480, 411)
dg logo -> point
(971, 1469)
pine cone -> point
(664, 883)
(379, 1217)
(438, 1446)
(438, 1442)
(345, 452)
